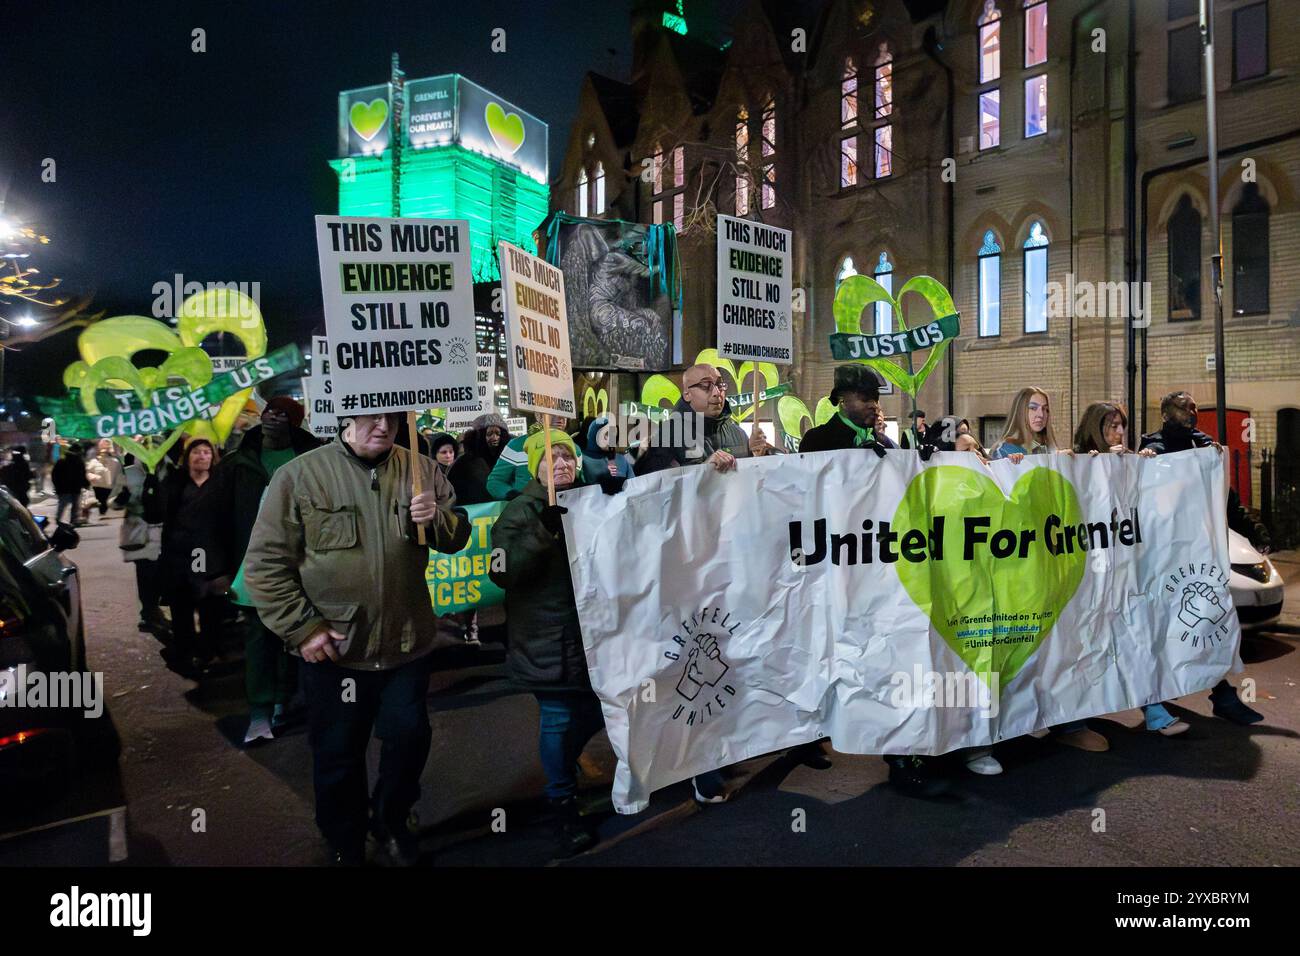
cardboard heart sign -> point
(857, 292)
(507, 129)
(368, 118)
(994, 612)
(107, 348)
(660, 388)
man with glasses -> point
(704, 394)
(336, 569)
(270, 674)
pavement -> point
(1217, 795)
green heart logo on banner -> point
(962, 597)
(368, 119)
(107, 348)
(507, 129)
(857, 292)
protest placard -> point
(461, 417)
(754, 291)
(537, 334)
(318, 391)
(399, 312)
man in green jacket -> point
(335, 568)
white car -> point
(1255, 584)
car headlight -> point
(1256, 572)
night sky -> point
(213, 164)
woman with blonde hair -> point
(1101, 431)
(1029, 426)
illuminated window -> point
(884, 86)
(1184, 237)
(990, 25)
(849, 94)
(679, 166)
(1035, 32)
(1036, 106)
(846, 269)
(768, 194)
(582, 192)
(849, 161)
(990, 129)
(769, 129)
(990, 286)
(884, 274)
(884, 151)
(659, 170)
(742, 162)
(659, 211)
(598, 200)
(882, 162)
(1036, 279)
(678, 209)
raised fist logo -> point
(704, 667)
(459, 352)
(1200, 605)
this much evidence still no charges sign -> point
(318, 391)
(755, 319)
(537, 334)
(399, 312)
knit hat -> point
(292, 410)
(855, 378)
(440, 439)
(484, 422)
(535, 447)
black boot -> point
(812, 755)
(573, 835)
(916, 776)
(1229, 706)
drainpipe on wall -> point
(933, 47)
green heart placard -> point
(857, 292)
(368, 119)
(507, 129)
(994, 612)
(107, 347)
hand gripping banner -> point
(892, 605)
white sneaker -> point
(259, 728)
(984, 764)
(1041, 733)
(718, 798)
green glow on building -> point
(675, 23)
(449, 182)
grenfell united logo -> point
(1201, 602)
(698, 648)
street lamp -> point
(1216, 258)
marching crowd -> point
(318, 551)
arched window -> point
(1184, 235)
(1250, 253)
(598, 190)
(768, 131)
(846, 269)
(990, 96)
(990, 285)
(582, 192)
(884, 274)
(883, 154)
(1036, 279)
(742, 162)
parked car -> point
(1255, 584)
(42, 631)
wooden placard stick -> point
(417, 473)
(550, 465)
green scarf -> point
(861, 436)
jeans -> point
(392, 703)
(69, 502)
(148, 587)
(270, 671)
(568, 720)
(204, 642)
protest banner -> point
(318, 391)
(460, 582)
(537, 339)
(399, 312)
(1023, 596)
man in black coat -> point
(269, 670)
(69, 478)
(856, 394)
(1178, 432)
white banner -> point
(755, 319)
(399, 312)
(318, 391)
(892, 605)
(537, 334)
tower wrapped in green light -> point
(466, 154)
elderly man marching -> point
(335, 568)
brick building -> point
(1030, 154)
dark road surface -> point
(1218, 795)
